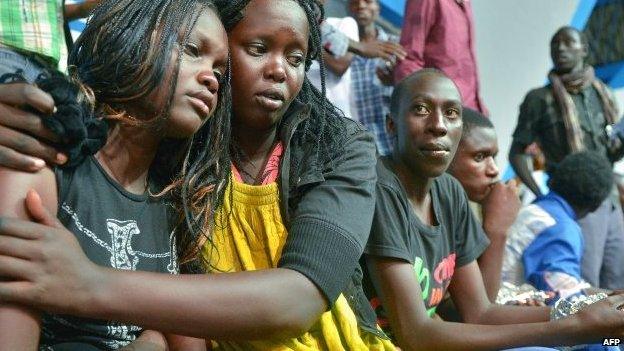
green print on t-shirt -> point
(433, 290)
(422, 275)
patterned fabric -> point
(604, 34)
(573, 83)
(531, 221)
(34, 26)
(250, 235)
(16, 67)
(372, 99)
(540, 121)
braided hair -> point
(324, 129)
(127, 50)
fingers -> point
(22, 229)
(38, 212)
(18, 118)
(512, 182)
(15, 292)
(23, 145)
(15, 268)
(384, 54)
(21, 94)
(513, 185)
(12, 159)
(16, 248)
(395, 49)
(13, 98)
(385, 76)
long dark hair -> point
(324, 130)
(125, 52)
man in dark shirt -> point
(425, 239)
(569, 115)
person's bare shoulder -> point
(15, 184)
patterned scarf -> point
(572, 83)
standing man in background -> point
(372, 79)
(570, 115)
(441, 34)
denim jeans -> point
(13, 62)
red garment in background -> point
(440, 34)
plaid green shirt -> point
(34, 26)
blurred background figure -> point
(441, 34)
(569, 115)
(341, 43)
(33, 36)
(372, 79)
(545, 245)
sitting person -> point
(425, 240)
(496, 203)
(545, 244)
(286, 239)
(107, 200)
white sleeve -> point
(347, 25)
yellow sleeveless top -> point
(249, 235)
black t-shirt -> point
(433, 251)
(115, 229)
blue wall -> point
(392, 11)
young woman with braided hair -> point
(153, 92)
(295, 217)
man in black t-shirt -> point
(425, 220)
(451, 239)
(425, 240)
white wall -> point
(513, 54)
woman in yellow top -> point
(298, 230)
(298, 199)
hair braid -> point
(325, 127)
(323, 131)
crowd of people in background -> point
(250, 175)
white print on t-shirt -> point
(123, 256)
(119, 335)
(121, 232)
(119, 332)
